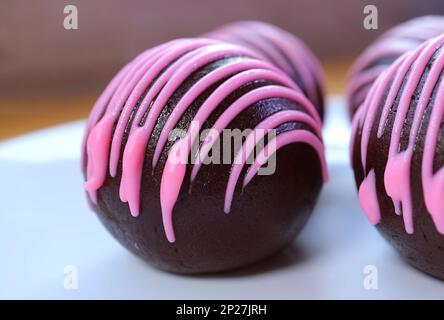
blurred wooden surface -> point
(22, 116)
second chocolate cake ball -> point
(283, 50)
(386, 49)
(398, 156)
(164, 172)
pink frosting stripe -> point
(97, 156)
(407, 72)
(368, 198)
(171, 183)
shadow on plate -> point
(289, 257)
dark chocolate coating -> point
(424, 249)
(264, 218)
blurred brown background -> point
(49, 75)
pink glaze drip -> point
(409, 69)
(278, 47)
(157, 74)
(171, 183)
(368, 198)
(99, 108)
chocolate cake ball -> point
(398, 156)
(386, 49)
(283, 50)
(165, 174)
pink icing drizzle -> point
(158, 73)
(174, 173)
(409, 68)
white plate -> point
(45, 226)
